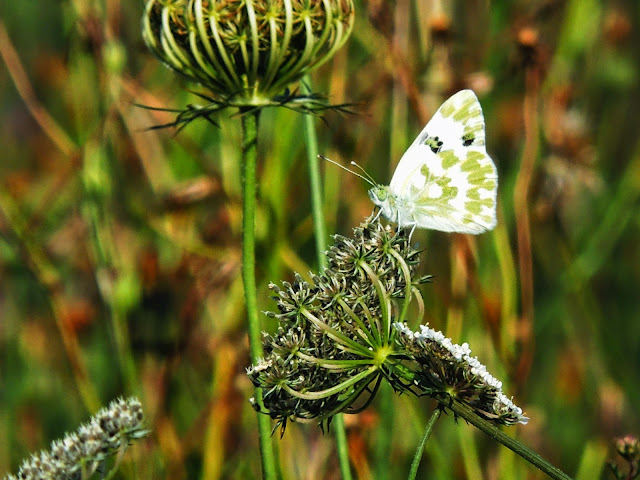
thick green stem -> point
(319, 225)
(423, 441)
(491, 429)
(518, 448)
(382, 446)
(249, 167)
(320, 231)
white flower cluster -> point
(502, 405)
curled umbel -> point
(246, 51)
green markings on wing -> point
(475, 205)
(473, 132)
(463, 111)
(468, 113)
(426, 173)
(449, 159)
(481, 175)
(447, 108)
(467, 110)
(481, 182)
(448, 191)
(444, 182)
(481, 219)
(479, 169)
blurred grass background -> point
(119, 246)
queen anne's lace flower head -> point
(342, 333)
(447, 369)
(335, 332)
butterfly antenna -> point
(366, 178)
(366, 174)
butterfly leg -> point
(413, 229)
(375, 219)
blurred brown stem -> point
(24, 88)
(521, 204)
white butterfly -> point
(445, 180)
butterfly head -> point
(382, 197)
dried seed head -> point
(345, 330)
(246, 51)
(335, 332)
(628, 447)
(81, 452)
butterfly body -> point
(445, 180)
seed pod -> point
(246, 52)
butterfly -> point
(445, 180)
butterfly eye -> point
(468, 139)
(378, 194)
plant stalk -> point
(320, 232)
(518, 448)
(423, 441)
(249, 182)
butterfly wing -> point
(446, 180)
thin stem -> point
(521, 206)
(22, 84)
(423, 441)
(96, 211)
(319, 225)
(338, 365)
(333, 390)
(518, 448)
(385, 302)
(320, 232)
(349, 400)
(249, 167)
(374, 330)
(368, 336)
(408, 285)
(345, 343)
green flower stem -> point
(385, 302)
(333, 390)
(374, 332)
(383, 442)
(408, 286)
(494, 432)
(340, 365)
(369, 336)
(319, 225)
(423, 441)
(348, 344)
(320, 232)
(349, 401)
(249, 167)
(100, 237)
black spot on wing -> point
(468, 139)
(434, 143)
